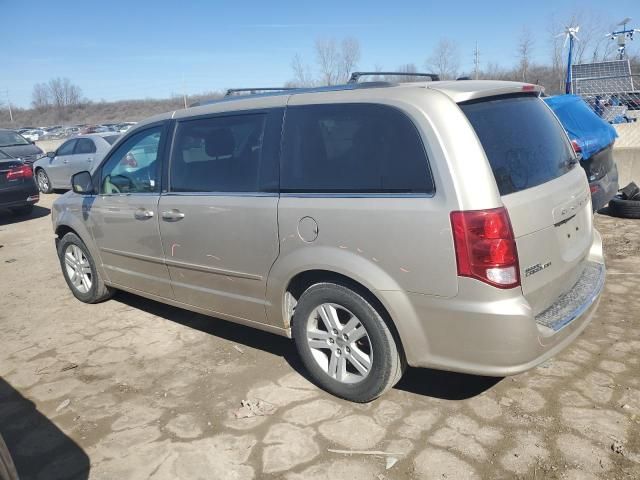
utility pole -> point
(6, 92)
(476, 62)
(184, 92)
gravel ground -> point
(131, 388)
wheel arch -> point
(302, 280)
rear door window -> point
(85, 145)
(353, 148)
(524, 142)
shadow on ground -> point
(420, 381)
(39, 449)
(8, 218)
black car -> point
(15, 145)
(18, 189)
(592, 139)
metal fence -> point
(615, 98)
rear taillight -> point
(23, 171)
(486, 247)
(576, 146)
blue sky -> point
(137, 49)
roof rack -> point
(251, 91)
(356, 75)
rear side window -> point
(111, 139)
(523, 141)
(352, 148)
(225, 154)
(85, 145)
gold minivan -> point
(435, 224)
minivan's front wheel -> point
(80, 272)
(344, 343)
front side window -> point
(353, 148)
(218, 154)
(66, 148)
(85, 145)
(133, 167)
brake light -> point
(486, 247)
(576, 146)
(22, 171)
(528, 88)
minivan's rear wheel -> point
(44, 184)
(80, 272)
(344, 343)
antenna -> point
(570, 34)
(476, 62)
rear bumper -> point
(19, 195)
(472, 333)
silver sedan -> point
(75, 155)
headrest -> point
(219, 142)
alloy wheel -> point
(339, 343)
(78, 268)
(43, 181)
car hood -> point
(28, 153)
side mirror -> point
(51, 154)
(82, 183)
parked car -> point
(124, 126)
(18, 190)
(436, 224)
(75, 155)
(34, 135)
(17, 146)
(592, 139)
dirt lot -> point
(134, 389)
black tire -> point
(22, 211)
(43, 181)
(7, 468)
(387, 365)
(624, 208)
(98, 291)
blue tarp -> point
(581, 123)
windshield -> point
(523, 141)
(9, 138)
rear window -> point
(352, 148)
(522, 139)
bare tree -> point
(63, 93)
(329, 62)
(445, 59)
(302, 76)
(350, 56)
(41, 96)
(525, 47)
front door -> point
(218, 220)
(124, 215)
(58, 168)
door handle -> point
(89, 159)
(65, 161)
(172, 215)
(143, 214)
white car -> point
(33, 135)
(79, 153)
